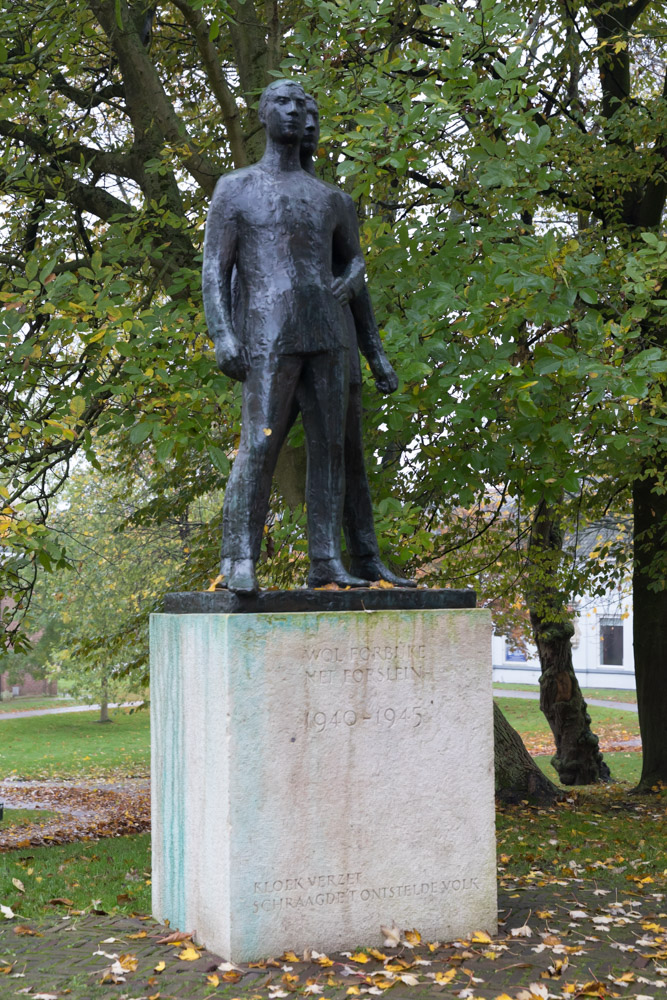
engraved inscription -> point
(364, 654)
(384, 717)
(358, 675)
(306, 892)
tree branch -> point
(216, 77)
(147, 103)
(102, 162)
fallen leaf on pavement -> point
(189, 954)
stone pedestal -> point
(316, 775)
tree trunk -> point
(104, 701)
(650, 629)
(577, 760)
(518, 778)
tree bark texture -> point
(577, 760)
(518, 778)
(650, 628)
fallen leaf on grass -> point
(128, 963)
(133, 937)
(523, 931)
(18, 884)
(59, 901)
(359, 956)
(6, 969)
(24, 931)
(160, 967)
(7, 912)
(213, 979)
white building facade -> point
(602, 651)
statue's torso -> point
(285, 233)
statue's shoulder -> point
(236, 181)
(337, 195)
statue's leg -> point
(268, 397)
(360, 535)
(357, 508)
(322, 396)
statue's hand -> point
(342, 291)
(232, 362)
(386, 379)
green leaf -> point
(140, 432)
(219, 459)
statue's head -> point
(282, 110)
(311, 132)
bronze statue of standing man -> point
(280, 229)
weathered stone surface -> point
(317, 775)
(357, 599)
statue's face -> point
(311, 133)
(285, 112)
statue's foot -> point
(240, 576)
(324, 571)
(372, 568)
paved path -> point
(31, 713)
(623, 706)
(567, 953)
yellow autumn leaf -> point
(289, 956)
(380, 956)
(384, 984)
(480, 937)
(503, 996)
(324, 961)
(491, 955)
(412, 937)
(353, 991)
(360, 956)
(445, 977)
(189, 954)
(160, 967)
(233, 977)
(133, 937)
(268, 431)
(129, 962)
(213, 979)
(214, 583)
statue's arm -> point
(370, 342)
(347, 250)
(368, 335)
(220, 243)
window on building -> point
(611, 641)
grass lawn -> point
(603, 694)
(67, 746)
(14, 817)
(528, 720)
(111, 875)
(625, 767)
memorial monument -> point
(312, 749)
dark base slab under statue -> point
(226, 602)
(322, 764)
